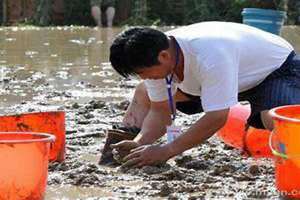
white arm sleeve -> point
(157, 89)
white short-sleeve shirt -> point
(222, 59)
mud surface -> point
(67, 69)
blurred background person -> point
(103, 6)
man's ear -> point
(164, 56)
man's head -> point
(141, 51)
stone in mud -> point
(197, 165)
(73, 148)
(221, 170)
(174, 174)
(153, 170)
(55, 180)
(82, 111)
(227, 147)
(165, 190)
(155, 185)
(96, 104)
(90, 179)
(173, 197)
(190, 180)
(195, 197)
(75, 105)
(183, 159)
(31, 110)
(243, 177)
(254, 170)
(83, 122)
(62, 167)
(69, 132)
(89, 116)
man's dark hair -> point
(137, 48)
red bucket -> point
(52, 122)
(24, 165)
(253, 141)
(285, 144)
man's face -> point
(160, 71)
(154, 72)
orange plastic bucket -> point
(285, 144)
(255, 142)
(52, 122)
(24, 165)
(234, 131)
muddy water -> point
(67, 69)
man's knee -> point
(267, 120)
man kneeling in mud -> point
(208, 67)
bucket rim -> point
(274, 115)
(267, 12)
(46, 137)
(33, 113)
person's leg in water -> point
(110, 14)
(96, 13)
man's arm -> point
(197, 134)
(203, 129)
(154, 125)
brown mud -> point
(67, 69)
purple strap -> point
(169, 85)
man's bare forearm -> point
(154, 127)
(203, 129)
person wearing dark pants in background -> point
(105, 6)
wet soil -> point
(67, 69)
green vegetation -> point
(164, 12)
(171, 12)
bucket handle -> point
(275, 152)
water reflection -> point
(61, 57)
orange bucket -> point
(43, 122)
(255, 142)
(234, 130)
(24, 165)
(285, 145)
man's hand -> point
(146, 155)
(122, 149)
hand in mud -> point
(146, 155)
(122, 149)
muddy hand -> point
(146, 155)
(122, 149)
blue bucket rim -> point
(264, 12)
